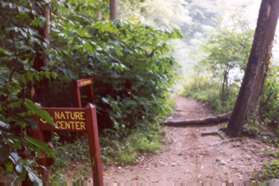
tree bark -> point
(224, 90)
(41, 57)
(113, 10)
(252, 85)
(41, 60)
(200, 122)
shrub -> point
(226, 51)
(269, 109)
(205, 90)
(270, 170)
(133, 70)
(20, 45)
(130, 63)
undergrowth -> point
(205, 90)
(125, 151)
(269, 171)
(133, 71)
(114, 152)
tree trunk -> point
(252, 85)
(38, 90)
(200, 122)
(113, 10)
(41, 59)
(225, 84)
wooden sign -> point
(83, 83)
(79, 120)
(66, 119)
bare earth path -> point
(188, 158)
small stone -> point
(136, 178)
(221, 162)
(236, 145)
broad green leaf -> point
(40, 146)
(4, 52)
(36, 110)
(9, 166)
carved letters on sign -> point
(67, 120)
(72, 120)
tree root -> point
(215, 133)
(200, 122)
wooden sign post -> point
(79, 120)
(83, 83)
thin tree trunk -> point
(99, 15)
(113, 10)
(40, 61)
(41, 57)
(252, 85)
(224, 91)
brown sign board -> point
(79, 120)
(83, 83)
(66, 119)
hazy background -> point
(197, 19)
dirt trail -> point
(188, 158)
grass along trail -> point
(187, 157)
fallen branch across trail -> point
(213, 120)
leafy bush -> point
(269, 112)
(20, 45)
(205, 90)
(270, 171)
(270, 102)
(131, 65)
(219, 73)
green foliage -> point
(228, 48)
(226, 52)
(39, 146)
(20, 43)
(71, 158)
(270, 171)
(126, 150)
(130, 63)
(71, 152)
(270, 102)
(218, 75)
(203, 89)
(269, 111)
(114, 151)
(36, 111)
